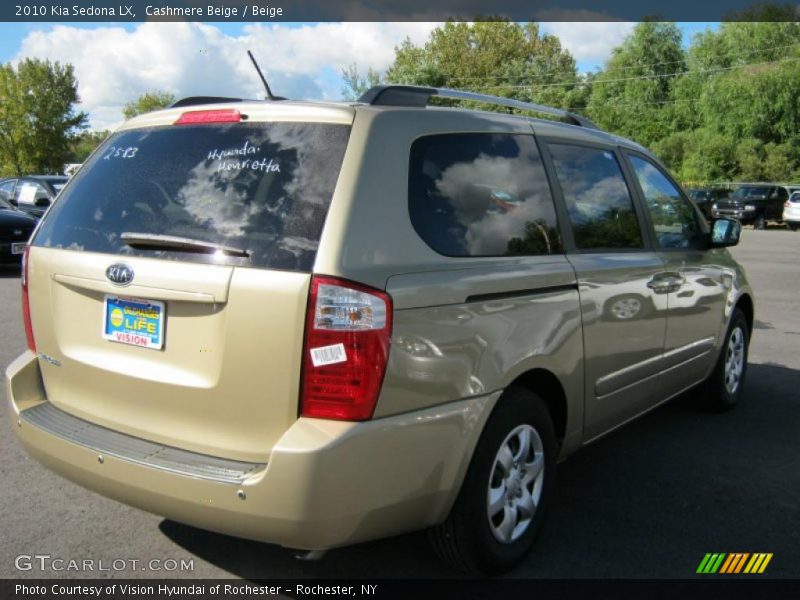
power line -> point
(639, 77)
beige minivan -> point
(315, 324)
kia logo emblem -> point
(120, 274)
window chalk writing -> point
(120, 152)
(247, 149)
(266, 165)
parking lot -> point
(648, 501)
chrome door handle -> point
(666, 284)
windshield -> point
(750, 193)
(261, 187)
(699, 195)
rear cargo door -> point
(169, 284)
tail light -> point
(345, 350)
(26, 307)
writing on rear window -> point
(233, 159)
(120, 152)
(328, 355)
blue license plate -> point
(134, 321)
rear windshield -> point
(262, 188)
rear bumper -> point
(326, 484)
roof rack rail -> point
(412, 95)
(197, 100)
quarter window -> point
(597, 198)
(481, 195)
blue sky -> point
(115, 62)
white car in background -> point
(791, 211)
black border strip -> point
(550, 289)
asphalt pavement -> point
(648, 501)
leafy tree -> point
(632, 95)
(37, 116)
(355, 84)
(496, 57)
(84, 144)
(147, 102)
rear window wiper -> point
(171, 242)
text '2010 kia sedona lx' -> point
(318, 324)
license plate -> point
(134, 321)
(18, 248)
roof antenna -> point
(263, 79)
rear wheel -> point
(724, 388)
(793, 226)
(500, 508)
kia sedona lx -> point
(316, 324)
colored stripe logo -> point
(734, 563)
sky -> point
(115, 63)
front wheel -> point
(793, 226)
(760, 223)
(500, 508)
(724, 388)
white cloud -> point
(114, 66)
(590, 42)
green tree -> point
(632, 95)
(84, 144)
(37, 116)
(147, 102)
(355, 84)
(495, 57)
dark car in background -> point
(15, 229)
(32, 193)
(754, 204)
(705, 197)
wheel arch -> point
(547, 386)
(745, 304)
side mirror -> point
(725, 232)
(42, 202)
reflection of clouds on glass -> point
(305, 141)
(494, 197)
(299, 244)
(589, 201)
(210, 197)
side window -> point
(481, 194)
(674, 219)
(783, 195)
(597, 197)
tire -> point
(759, 223)
(793, 226)
(502, 502)
(723, 389)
